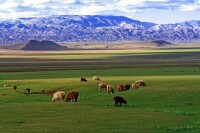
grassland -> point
(169, 104)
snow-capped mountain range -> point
(74, 28)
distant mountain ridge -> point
(97, 28)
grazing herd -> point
(73, 96)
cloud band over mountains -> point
(40, 8)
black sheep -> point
(83, 80)
(119, 100)
(127, 87)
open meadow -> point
(170, 103)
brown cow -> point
(119, 100)
(83, 80)
(72, 96)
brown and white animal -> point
(121, 88)
(28, 90)
(83, 80)
(96, 78)
(135, 85)
(72, 96)
(102, 86)
(110, 89)
(59, 95)
(119, 100)
(138, 83)
(141, 82)
(6, 85)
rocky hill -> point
(94, 29)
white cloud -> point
(54, 7)
(87, 1)
(34, 2)
(31, 8)
(92, 9)
(126, 10)
(8, 4)
(68, 1)
(189, 7)
(136, 2)
(14, 15)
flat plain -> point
(170, 102)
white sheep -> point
(58, 95)
(140, 82)
(96, 78)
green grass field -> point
(169, 104)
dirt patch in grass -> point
(44, 92)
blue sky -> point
(157, 11)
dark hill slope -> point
(161, 43)
(34, 45)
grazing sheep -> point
(135, 85)
(127, 87)
(28, 90)
(58, 95)
(6, 85)
(96, 78)
(83, 80)
(138, 83)
(72, 96)
(102, 85)
(119, 100)
(121, 88)
(141, 82)
(110, 89)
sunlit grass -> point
(169, 103)
(91, 54)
